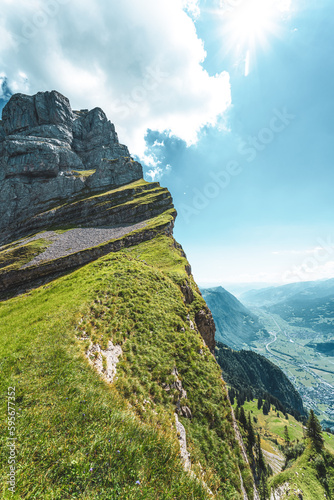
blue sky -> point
(272, 220)
(227, 103)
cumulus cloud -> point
(140, 61)
(192, 7)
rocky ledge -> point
(50, 154)
(70, 194)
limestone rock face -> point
(94, 138)
(206, 326)
(47, 114)
(49, 154)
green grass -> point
(15, 256)
(136, 185)
(79, 437)
(83, 173)
(162, 254)
(271, 428)
(312, 473)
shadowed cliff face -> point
(49, 154)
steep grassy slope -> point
(80, 437)
(271, 427)
(308, 477)
(249, 371)
(311, 477)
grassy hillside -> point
(311, 477)
(311, 474)
(271, 428)
(80, 437)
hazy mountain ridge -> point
(302, 290)
(236, 325)
(307, 312)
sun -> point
(249, 24)
(252, 21)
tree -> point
(286, 436)
(263, 488)
(251, 434)
(260, 458)
(314, 430)
(266, 407)
(242, 418)
(231, 393)
(259, 403)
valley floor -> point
(312, 373)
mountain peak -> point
(50, 154)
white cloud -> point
(192, 6)
(139, 61)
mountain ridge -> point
(104, 332)
(273, 295)
(236, 326)
(248, 371)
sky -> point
(228, 103)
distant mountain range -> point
(275, 294)
(293, 326)
(236, 326)
(307, 304)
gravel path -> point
(78, 239)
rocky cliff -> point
(50, 154)
(111, 349)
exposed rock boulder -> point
(187, 292)
(49, 154)
(29, 157)
(182, 437)
(95, 138)
(104, 361)
(46, 114)
(206, 327)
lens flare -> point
(249, 24)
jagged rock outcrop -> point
(49, 154)
(176, 386)
(206, 327)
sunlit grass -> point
(79, 437)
